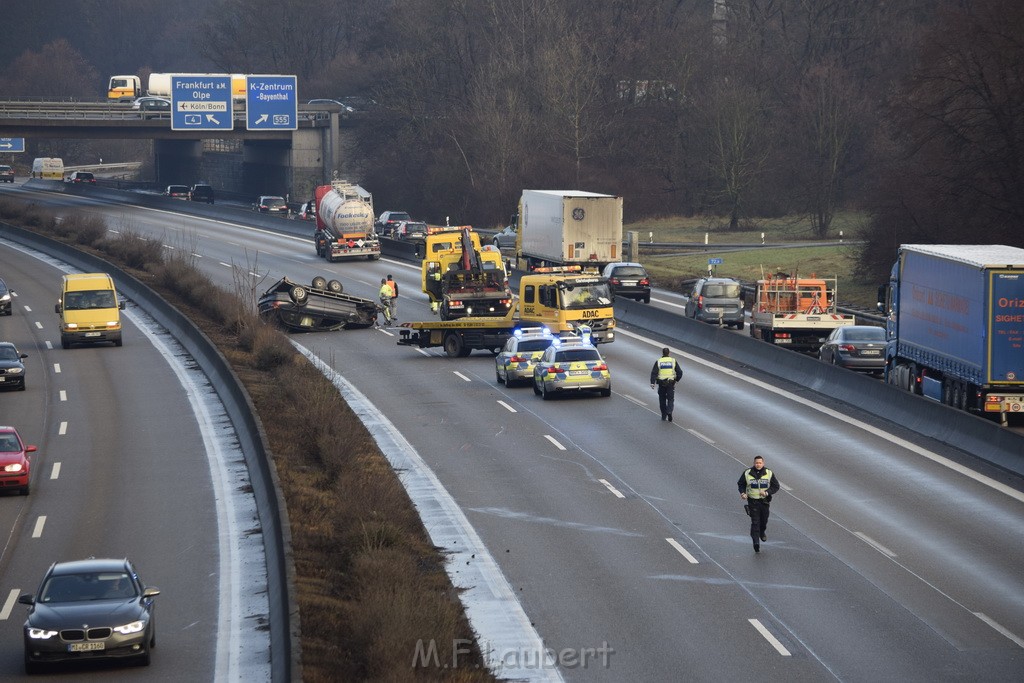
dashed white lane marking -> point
(9, 603)
(63, 395)
(49, 345)
(56, 368)
(39, 325)
(63, 428)
(167, 246)
(874, 544)
(668, 303)
(459, 374)
(38, 530)
(682, 551)
(507, 407)
(1004, 631)
(779, 647)
(197, 255)
(27, 309)
(701, 436)
(554, 441)
(424, 352)
(55, 472)
(634, 400)
(226, 265)
(615, 491)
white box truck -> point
(568, 228)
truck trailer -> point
(568, 227)
(955, 325)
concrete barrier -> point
(975, 435)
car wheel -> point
(299, 295)
(536, 389)
(835, 361)
(22, 387)
(144, 658)
(647, 299)
(118, 342)
(335, 286)
(319, 282)
(544, 392)
(740, 325)
(64, 343)
(26, 489)
(606, 392)
(32, 668)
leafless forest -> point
(911, 111)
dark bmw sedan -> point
(857, 347)
(88, 609)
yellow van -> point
(89, 310)
(48, 168)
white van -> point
(49, 168)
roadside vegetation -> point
(369, 582)
(838, 256)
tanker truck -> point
(344, 222)
(955, 325)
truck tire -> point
(373, 257)
(335, 286)
(740, 325)
(299, 295)
(454, 345)
(319, 282)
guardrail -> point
(116, 111)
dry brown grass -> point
(369, 582)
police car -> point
(571, 364)
(520, 353)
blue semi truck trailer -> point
(955, 325)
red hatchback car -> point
(14, 461)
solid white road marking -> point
(874, 544)
(615, 491)
(63, 395)
(668, 303)
(682, 551)
(552, 440)
(769, 637)
(507, 407)
(38, 530)
(459, 374)
(835, 414)
(988, 620)
(63, 428)
(701, 437)
(56, 368)
(786, 487)
(55, 472)
(9, 603)
(634, 400)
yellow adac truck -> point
(461, 278)
(89, 310)
(564, 300)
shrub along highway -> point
(890, 555)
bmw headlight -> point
(131, 628)
(14, 371)
(40, 633)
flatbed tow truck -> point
(560, 299)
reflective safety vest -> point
(758, 488)
(666, 368)
(385, 291)
(394, 287)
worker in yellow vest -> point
(665, 373)
(757, 485)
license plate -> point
(92, 334)
(86, 647)
(579, 372)
(714, 309)
(783, 341)
(629, 283)
(871, 352)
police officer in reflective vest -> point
(665, 373)
(757, 485)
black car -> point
(271, 204)
(12, 370)
(628, 280)
(5, 299)
(388, 222)
(201, 192)
(88, 609)
(153, 107)
(80, 177)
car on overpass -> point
(153, 107)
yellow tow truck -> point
(461, 278)
(564, 300)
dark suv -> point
(628, 280)
(717, 300)
(201, 192)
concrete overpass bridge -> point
(239, 161)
